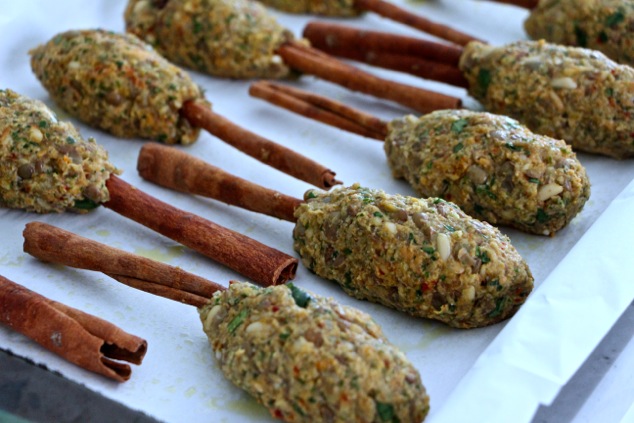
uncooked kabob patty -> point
(575, 94)
(425, 257)
(225, 38)
(45, 165)
(604, 25)
(338, 8)
(307, 358)
(116, 83)
(493, 167)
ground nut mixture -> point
(491, 166)
(569, 93)
(309, 359)
(604, 25)
(317, 7)
(226, 38)
(423, 257)
(45, 165)
(117, 83)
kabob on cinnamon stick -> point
(491, 166)
(568, 93)
(46, 166)
(603, 25)
(80, 338)
(240, 39)
(302, 356)
(424, 257)
(119, 84)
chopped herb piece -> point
(482, 255)
(484, 79)
(609, 92)
(310, 194)
(386, 412)
(302, 298)
(347, 251)
(458, 147)
(429, 250)
(237, 321)
(43, 124)
(285, 335)
(615, 18)
(70, 140)
(533, 180)
(542, 216)
(85, 204)
(499, 307)
(450, 228)
(378, 214)
(512, 146)
(478, 208)
(458, 125)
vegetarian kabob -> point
(304, 357)
(603, 25)
(569, 93)
(117, 83)
(424, 257)
(240, 39)
(491, 166)
(46, 166)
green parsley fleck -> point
(484, 79)
(615, 18)
(237, 321)
(458, 147)
(302, 298)
(386, 412)
(458, 125)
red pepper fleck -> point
(277, 413)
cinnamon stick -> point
(325, 36)
(183, 172)
(81, 338)
(275, 155)
(263, 265)
(314, 62)
(320, 108)
(391, 11)
(425, 59)
(51, 244)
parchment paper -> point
(500, 373)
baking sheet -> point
(499, 373)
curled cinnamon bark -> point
(81, 338)
(275, 155)
(51, 244)
(321, 109)
(398, 53)
(391, 11)
(426, 59)
(262, 264)
(183, 172)
(314, 62)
